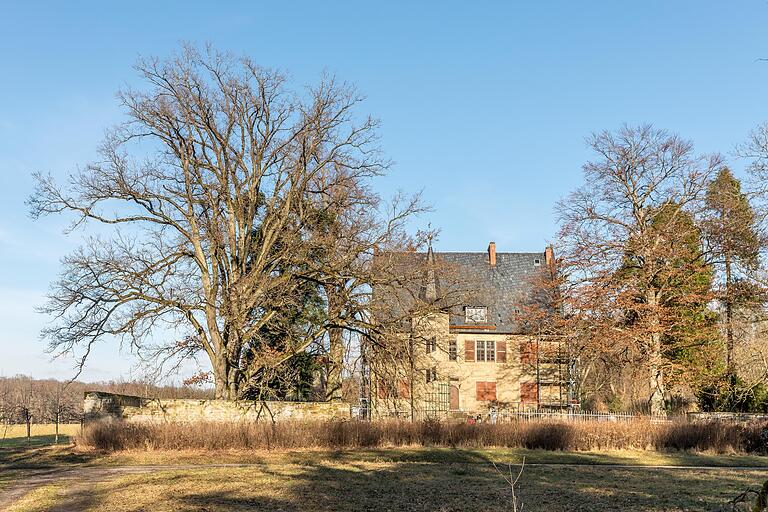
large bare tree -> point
(241, 217)
(631, 245)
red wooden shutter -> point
(404, 389)
(528, 392)
(501, 351)
(382, 389)
(469, 350)
(490, 391)
(480, 391)
(527, 353)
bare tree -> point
(57, 405)
(26, 399)
(220, 189)
(632, 246)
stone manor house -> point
(476, 357)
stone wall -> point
(98, 405)
(726, 416)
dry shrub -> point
(549, 435)
(717, 436)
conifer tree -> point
(734, 242)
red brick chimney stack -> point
(549, 256)
(492, 253)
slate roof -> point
(501, 288)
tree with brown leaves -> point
(626, 243)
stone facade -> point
(476, 355)
(447, 376)
(98, 405)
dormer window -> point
(537, 262)
(476, 314)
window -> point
(537, 262)
(431, 345)
(453, 351)
(476, 314)
(485, 350)
(431, 374)
(485, 391)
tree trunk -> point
(222, 375)
(336, 352)
(656, 400)
(335, 348)
(411, 377)
(656, 382)
(729, 363)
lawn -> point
(391, 479)
(41, 434)
(359, 486)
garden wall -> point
(98, 405)
(739, 417)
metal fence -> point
(504, 415)
(508, 416)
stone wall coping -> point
(105, 394)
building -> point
(474, 355)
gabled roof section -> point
(501, 288)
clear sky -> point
(484, 105)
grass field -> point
(386, 479)
(41, 434)
(398, 481)
(41, 478)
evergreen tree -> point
(734, 242)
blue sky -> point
(484, 105)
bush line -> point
(720, 437)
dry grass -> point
(15, 436)
(718, 437)
(352, 485)
(38, 429)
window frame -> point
(479, 349)
(453, 350)
(488, 350)
(467, 318)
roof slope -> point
(501, 288)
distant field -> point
(15, 435)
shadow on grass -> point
(342, 482)
(23, 442)
(41, 456)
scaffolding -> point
(555, 373)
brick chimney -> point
(492, 253)
(549, 256)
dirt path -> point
(82, 479)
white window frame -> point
(488, 350)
